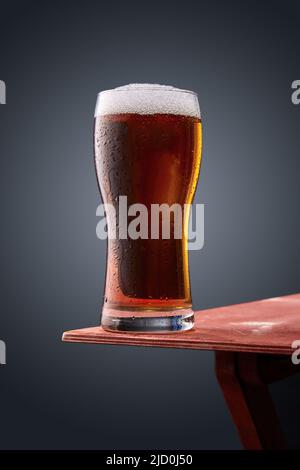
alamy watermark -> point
(296, 354)
(2, 92)
(2, 352)
(2, 343)
(296, 93)
(161, 221)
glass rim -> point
(153, 88)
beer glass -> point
(147, 141)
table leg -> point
(249, 400)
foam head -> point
(144, 98)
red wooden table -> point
(253, 344)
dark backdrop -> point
(54, 57)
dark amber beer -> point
(147, 148)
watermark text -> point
(2, 352)
(296, 93)
(160, 221)
(2, 92)
(296, 353)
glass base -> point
(147, 321)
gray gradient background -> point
(55, 56)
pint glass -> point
(147, 142)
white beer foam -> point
(146, 98)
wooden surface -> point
(266, 326)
